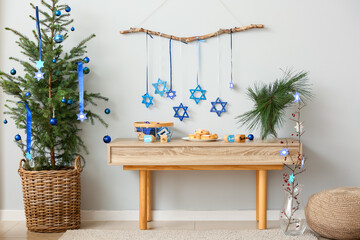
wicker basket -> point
(52, 198)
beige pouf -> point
(335, 213)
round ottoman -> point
(335, 213)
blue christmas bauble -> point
(251, 137)
(107, 111)
(107, 139)
(86, 59)
(53, 121)
(72, 29)
(17, 137)
(68, 9)
(5, 121)
(63, 100)
(86, 70)
(58, 13)
(58, 38)
(69, 102)
(54, 60)
(28, 94)
(13, 71)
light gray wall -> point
(322, 37)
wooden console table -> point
(257, 155)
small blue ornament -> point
(13, 71)
(28, 94)
(39, 64)
(81, 116)
(107, 111)
(197, 89)
(86, 70)
(54, 60)
(72, 29)
(39, 75)
(17, 137)
(69, 102)
(63, 100)
(58, 13)
(147, 100)
(171, 94)
(68, 9)
(284, 152)
(296, 97)
(5, 121)
(251, 137)
(53, 121)
(86, 59)
(214, 109)
(160, 91)
(184, 114)
(291, 178)
(58, 38)
(107, 139)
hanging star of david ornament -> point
(81, 116)
(147, 100)
(231, 86)
(179, 115)
(39, 75)
(291, 178)
(296, 97)
(160, 87)
(214, 109)
(284, 152)
(171, 94)
(39, 64)
(194, 91)
(28, 155)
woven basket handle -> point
(78, 164)
(22, 161)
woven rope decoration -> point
(335, 213)
(52, 198)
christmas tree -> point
(49, 89)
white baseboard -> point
(158, 215)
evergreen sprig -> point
(53, 147)
(271, 101)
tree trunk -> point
(52, 154)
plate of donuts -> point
(202, 135)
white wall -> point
(322, 37)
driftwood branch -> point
(191, 39)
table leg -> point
(257, 195)
(262, 199)
(148, 195)
(142, 200)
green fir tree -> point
(53, 146)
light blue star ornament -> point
(39, 75)
(160, 87)
(214, 109)
(284, 152)
(297, 97)
(193, 92)
(171, 94)
(28, 155)
(81, 116)
(147, 100)
(183, 115)
(39, 64)
(291, 178)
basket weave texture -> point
(52, 198)
(335, 213)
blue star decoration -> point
(284, 152)
(197, 89)
(147, 100)
(291, 178)
(81, 116)
(184, 114)
(296, 97)
(171, 94)
(214, 109)
(28, 155)
(39, 64)
(158, 84)
(39, 75)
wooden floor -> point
(13, 230)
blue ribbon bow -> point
(28, 131)
(81, 115)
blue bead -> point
(54, 60)
(86, 70)
(72, 29)
(107, 139)
(53, 121)
(68, 9)
(28, 94)
(5, 121)
(69, 102)
(86, 59)
(12, 71)
(63, 100)
(17, 137)
(251, 137)
(57, 13)
(107, 111)
(58, 38)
